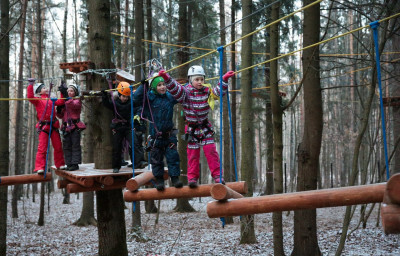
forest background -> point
(307, 120)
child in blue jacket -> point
(159, 109)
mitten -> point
(228, 75)
(164, 75)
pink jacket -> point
(40, 106)
(71, 115)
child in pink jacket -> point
(44, 106)
(196, 98)
(71, 128)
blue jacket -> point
(162, 110)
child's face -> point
(71, 92)
(161, 88)
(197, 82)
(123, 98)
(44, 90)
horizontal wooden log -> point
(298, 201)
(390, 214)
(184, 192)
(142, 179)
(393, 188)
(222, 192)
(105, 180)
(24, 179)
(75, 188)
(62, 183)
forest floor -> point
(182, 233)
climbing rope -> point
(374, 26)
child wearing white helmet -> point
(71, 126)
(197, 98)
(38, 95)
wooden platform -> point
(87, 178)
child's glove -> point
(228, 75)
(31, 81)
(145, 83)
(164, 75)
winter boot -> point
(73, 167)
(217, 179)
(116, 170)
(176, 182)
(160, 183)
(193, 183)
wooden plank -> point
(390, 214)
(298, 201)
(222, 192)
(62, 183)
(184, 192)
(24, 179)
(142, 179)
(83, 181)
(75, 188)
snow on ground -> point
(181, 233)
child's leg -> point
(58, 152)
(67, 148)
(41, 152)
(76, 154)
(212, 156)
(157, 161)
(172, 157)
(117, 148)
(193, 163)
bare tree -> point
(247, 234)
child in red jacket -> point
(38, 95)
(71, 127)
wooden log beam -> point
(62, 183)
(184, 192)
(142, 179)
(24, 179)
(298, 201)
(393, 189)
(75, 188)
(85, 182)
(390, 214)
(222, 192)
(105, 180)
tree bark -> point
(247, 234)
(110, 205)
(87, 213)
(4, 118)
(305, 222)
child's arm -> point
(74, 104)
(216, 90)
(178, 91)
(31, 95)
(106, 100)
(138, 95)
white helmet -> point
(196, 70)
(76, 88)
(37, 87)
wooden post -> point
(298, 201)
(24, 179)
(142, 179)
(105, 180)
(390, 210)
(75, 188)
(184, 192)
(222, 192)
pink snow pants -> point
(212, 157)
(42, 150)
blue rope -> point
(48, 141)
(221, 66)
(133, 142)
(232, 139)
(374, 26)
(221, 58)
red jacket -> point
(40, 106)
(71, 115)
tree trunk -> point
(247, 234)
(125, 42)
(277, 114)
(110, 205)
(87, 213)
(305, 222)
(4, 118)
(19, 113)
(182, 204)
